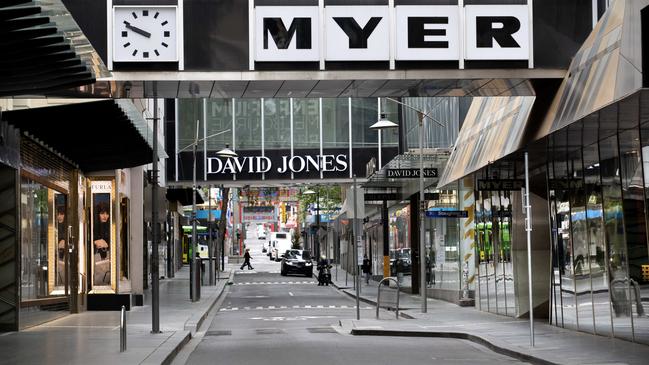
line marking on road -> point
(289, 293)
(272, 307)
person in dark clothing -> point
(246, 260)
(367, 269)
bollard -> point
(122, 330)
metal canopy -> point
(112, 139)
(313, 84)
(43, 49)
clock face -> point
(144, 34)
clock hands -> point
(137, 30)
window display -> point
(102, 235)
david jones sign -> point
(287, 164)
(418, 32)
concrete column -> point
(136, 229)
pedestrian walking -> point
(367, 269)
(246, 260)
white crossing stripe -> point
(272, 307)
(276, 283)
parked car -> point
(297, 262)
(405, 261)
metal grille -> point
(44, 163)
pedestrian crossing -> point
(243, 272)
(304, 282)
(280, 307)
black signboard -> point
(410, 173)
(501, 184)
(565, 184)
(381, 196)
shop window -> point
(103, 256)
(306, 123)
(44, 241)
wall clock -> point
(145, 34)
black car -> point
(297, 262)
(405, 262)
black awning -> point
(38, 54)
(94, 135)
(183, 196)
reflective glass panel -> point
(596, 246)
(615, 237)
(306, 123)
(219, 120)
(247, 124)
(277, 123)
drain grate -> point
(269, 331)
(219, 333)
(327, 329)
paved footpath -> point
(506, 335)
(93, 337)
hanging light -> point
(384, 123)
(227, 152)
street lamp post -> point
(226, 153)
(383, 123)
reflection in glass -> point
(615, 236)
(578, 224)
(35, 217)
(335, 123)
(247, 124)
(219, 118)
(306, 123)
(277, 123)
(597, 246)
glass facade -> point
(598, 206)
(272, 127)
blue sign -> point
(447, 214)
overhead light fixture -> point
(227, 152)
(384, 123)
(308, 192)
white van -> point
(279, 243)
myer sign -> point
(419, 33)
(287, 164)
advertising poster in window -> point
(61, 236)
(103, 240)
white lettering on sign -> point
(419, 33)
(288, 164)
(101, 186)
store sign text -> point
(420, 33)
(287, 164)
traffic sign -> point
(447, 214)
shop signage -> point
(380, 196)
(287, 164)
(500, 185)
(264, 213)
(565, 184)
(447, 214)
(410, 173)
(364, 33)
